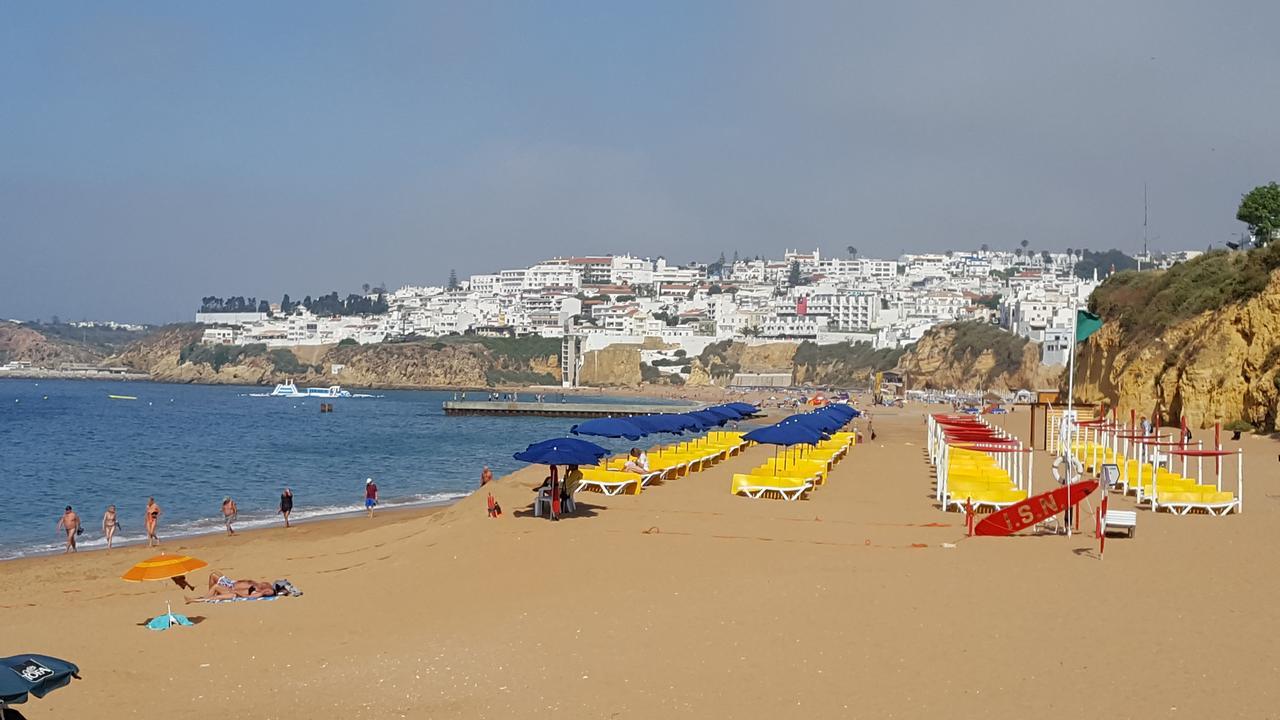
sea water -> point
(65, 442)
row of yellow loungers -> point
(665, 463)
(792, 476)
(1157, 486)
(974, 478)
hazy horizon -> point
(155, 154)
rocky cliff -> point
(174, 354)
(975, 356)
(21, 342)
(1171, 346)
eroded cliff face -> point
(612, 366)
(409, 365)
(938, 361)
(19, 342)
(1219, 366)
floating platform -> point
(557, 409)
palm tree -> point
(1025, 243)
(986, 247)
(853, 251)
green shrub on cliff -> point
(974, 337)
(519, 350)
(843, 363)
(215, 356)
(1147, 302)
(286, 362)
(496, 376)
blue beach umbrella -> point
(707, 419)
(665, 422)
(821, 423)
(610, 428)
(24, 675)
(744, 408)
(725, 412)
(784, 434)
(562, 451)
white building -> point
(544, 276)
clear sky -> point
(155, 152)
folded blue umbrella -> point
(39, 675)
(610, 428)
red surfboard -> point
(1034, 509)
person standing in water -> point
(70, 522)
(370, 495)
(286, 505)
(229, 512)
(152, 521)
(110, 524)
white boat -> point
(291, 390)
(333, 391)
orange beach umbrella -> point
(162, 567)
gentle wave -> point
(213, 525)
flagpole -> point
(1071, 362)
(1071, 392)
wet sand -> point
(686, 602)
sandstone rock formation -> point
(963, 356)
(1219, 366)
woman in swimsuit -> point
(152, 519)
(110, 524)
(286, 505)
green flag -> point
(1086, 324)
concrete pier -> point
(558, 409)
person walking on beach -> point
(370, 495)
(486, 476)
(152, 521)
(70, 522)
(286, 505)
(110, 524)
(229, 512)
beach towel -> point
(163, 622)
(231, 600)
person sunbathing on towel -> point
(238, 589)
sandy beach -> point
(685, 602)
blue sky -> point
(153, 153)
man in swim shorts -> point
(70, 522)
(370, 495)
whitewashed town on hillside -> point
(604, 300)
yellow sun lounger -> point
(763, 486)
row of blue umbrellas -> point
(574, 451)
(638, 426)
(806, 428)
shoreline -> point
(400, 513)
(416, 509)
